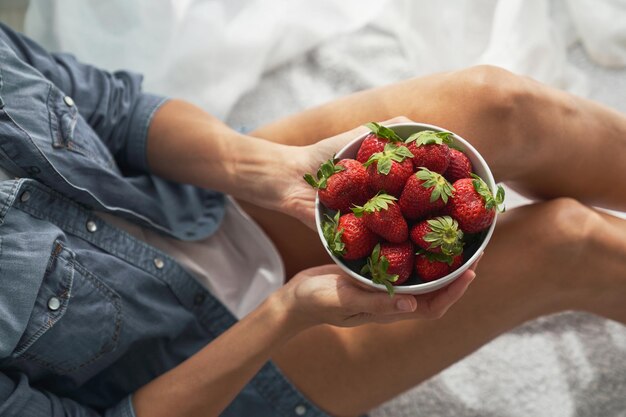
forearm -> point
(187, 145)
(208, 381)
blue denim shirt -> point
(88, 314)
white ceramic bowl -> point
(414, 285)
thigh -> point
(349, 371)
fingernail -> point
(404, 305)
(472, 275)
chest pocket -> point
(76, 319)
(70, 132)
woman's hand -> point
(298, 197)
(324, 295)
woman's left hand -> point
(298, 198)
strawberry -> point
(390, 264)
(432, 266)
(460, 166)
(342, 184)
(438, 235)
(375, 142)
(383, 217)
(425, 192)
(389, 170)
(348, 237)
(473, 205)
(430, 150)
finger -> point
(436, 304)
(379, 303)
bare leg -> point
(542, 141)
(544, 258)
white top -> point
(239, 264)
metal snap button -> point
(92, 226)
(300, 410)
(158, 262)
(54, 303)
(25, 196)
(69, 101)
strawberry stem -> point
(326, 170)
(430, 137)
(483, 190)
(392, 152)
(377, 267)
(333, 235)
(380, 201)
(384, 132)
(441, 187)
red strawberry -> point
(431, 266)
(389, 170)
(473, 205)
(348, 237)
(430, 150)
(375, 142)
(341, 185)
(390, 264)
(424, 193)
(438, 235)
(383, 217)
(460, 166)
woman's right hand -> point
(325, 295)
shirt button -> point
(92, 226)
(158, 262)
(54, 303)
(69, 101)
(300, 410)
(25, 196)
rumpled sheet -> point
(250, 62)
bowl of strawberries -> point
(406, 208)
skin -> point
(538, 262)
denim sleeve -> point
(19, 399)
(112, 103)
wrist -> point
(282, 307)
(262, 171)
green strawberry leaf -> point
(326, 170)
(385, 158)
(445, 234)
(430, 137)
(483, 190)
(380, 201)
(377, 267)
(384, 132)
(442, 189)
(333, 236)
(438, 257)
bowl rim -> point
(429, 286)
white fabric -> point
(238, 264)
(227, 44)
(213, 51)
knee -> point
(507, 110)
(493, 91)
(569, 228)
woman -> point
(167, 352)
